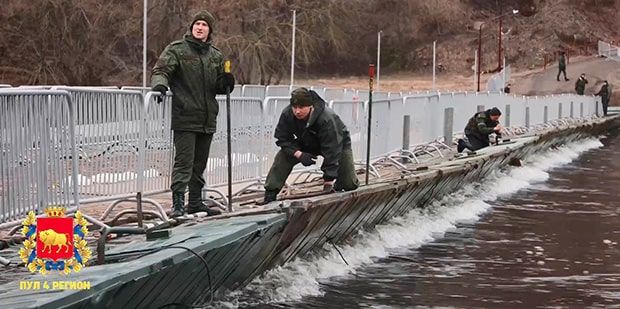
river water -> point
(545, 235)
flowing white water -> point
(302, 277)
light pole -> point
(144, 23)
(514, 12)
(378, 56)
(293, 50)
(434, 62)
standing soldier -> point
(605, 94)
(580, 84)
(562, 66)
(307, 128)
(193, 69)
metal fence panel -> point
(277, 90)
(537, 107)
(608, 50)
(334, 94)
(157, 155)
(107, 135)
(552, 106)
(37, 154)
(320, 91)
(465, 106)
(420, 109)
(353, 114)
(247, 131)
(273, 107)
(380, 95)
(253, 91)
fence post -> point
(406, 138)
(448, 124)
(546, 114)
(527, 117)
(581, 109)
(560, 110)
(572, 113)
(507, 112)
(480, 108)
(406, 126)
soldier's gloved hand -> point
(307, 159)
(227, 80)
(161, 89)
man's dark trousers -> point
(190, 161)
(283, 165)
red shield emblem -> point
(55, 238)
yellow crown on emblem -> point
(55, 211)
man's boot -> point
(270, 196)
(178, 204)
(460, 145)
(197, 205)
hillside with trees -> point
(88, 42)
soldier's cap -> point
(206, 16)
(495, 112)
(301, 97)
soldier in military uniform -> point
(580, 84)
(308, 128)
(562, 66)
(478, 129)
(193, 69)
(605, 94)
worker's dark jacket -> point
(323, 134)
(604, 93)
(480, 126)
(580, 85)
(191, 69)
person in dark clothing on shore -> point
(580, 84)
(605, 94)
(562, 66)
(507, 89)
(308, 128)
(478, 129)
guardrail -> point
(83, 145)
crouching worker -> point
(308, 128)
(478, 129)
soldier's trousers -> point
(476, 142)
(605, 103)
(190, 160)
(283, 165)
(561, 71)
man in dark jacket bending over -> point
(307, 128)
(478, 129)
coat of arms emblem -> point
(55, 242)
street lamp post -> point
(144, 24)
(293, 50)
(378, 57)
(514, 12)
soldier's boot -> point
(270, 196)
(178, 204)
(197, 205)
(460, 145)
